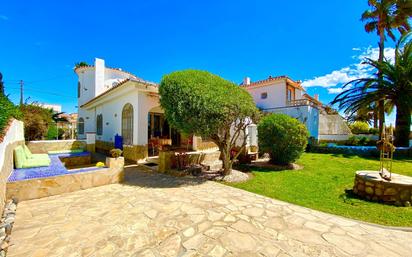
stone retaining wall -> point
(168, 159)
(71, 161)
(135, 152)
(44, 146)
(44, 187)
(130, 152)
(370, 186)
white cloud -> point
(335, 79)
(338, 90)
(356, 49)
(4, 17)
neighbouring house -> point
(115, 102)
(54, 107)
(283, 95)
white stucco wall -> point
(112, 116)
(98, 79)
(146, 104)
(89, 121)
(87, 89)
(111, 107)
(276, 95)
(15, 133)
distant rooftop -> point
(247, 83)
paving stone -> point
(157, 215)
(345, 243)
(189, 232)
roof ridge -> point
(106, 67)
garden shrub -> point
(204, 104)
(283, 137)
(374, 131)
(8, 111)
(359, 127)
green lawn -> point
(321, 185)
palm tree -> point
(392, 82)
(364, 114)
(383, 17)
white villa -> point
(114, 102)
(283, 95)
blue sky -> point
(41, 40)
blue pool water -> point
(56, 168)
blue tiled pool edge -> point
(56, 168)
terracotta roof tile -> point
(117, 86)
(272, 79)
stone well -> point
(371, 186)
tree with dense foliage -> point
(80, 64)
(201, 103)
(8, 111)
(283, 137)
(393, 82)
(383, 18)
(359, 127)
(36, 121)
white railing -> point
(302, 102)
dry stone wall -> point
(370, 186)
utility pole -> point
(1, 84)
(21, 92)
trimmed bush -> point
(283, 137)
(359, 127)
(204, 104)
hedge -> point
(8, 111)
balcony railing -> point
(302, 102)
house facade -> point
(115, 102)
(284, 95)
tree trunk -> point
(381, 103)
(375, 118)
(227, 162)
(402, 126)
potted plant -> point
(116, 153)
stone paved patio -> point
(156, 215)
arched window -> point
(78, 89)
(99, 124)
(127, 124)
(80, 126)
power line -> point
(44, 92)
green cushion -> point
(40, 156)
(27, 152)
(19, 157)
(66, 151)
(32, 163)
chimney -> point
(99, 76)
(246, 81)
(316, 96)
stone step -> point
(215, 165)
(211, 156)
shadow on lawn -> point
(247, 168)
